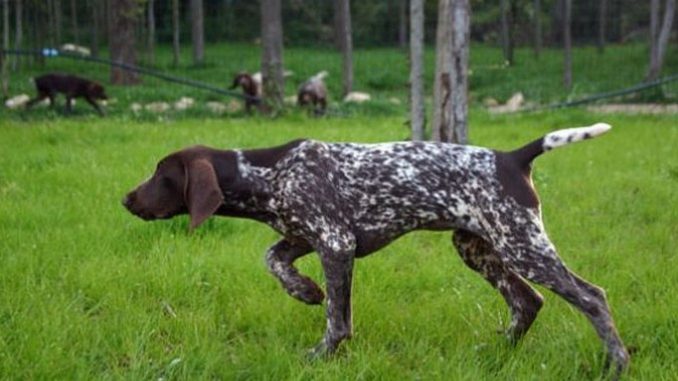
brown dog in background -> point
(251, 88)
(71, 86)
(314, 92)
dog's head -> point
(183, 182)
(246, 82)
(96, 91)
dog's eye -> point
(166, 181)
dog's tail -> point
(524, 155)
(320, 76)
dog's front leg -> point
(279, 260)
(338, 269)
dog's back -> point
(70, 85)
(61, 83)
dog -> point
(314, 92)
(71, 86)
(251, 85)
(346, 200)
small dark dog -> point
(314, 92)
(71, 86)
(251, 88)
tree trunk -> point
(58, 21)
(450, 113)
(151, 32)
(602, 18)
(121, 37)
(272, 53)
(336, 23)
(417, 108)
(5, 45)
(450, 103)
(175, 33)
(41, 28)
(402, 24)
(197, 32)
(567, 44)
(659, 51)
(654, 24)
(461, 36)
(50, 22)
(442, 86)
(346, 45)
(74, 22)
(18, 32)
(538, 39)
(96, 18)
(506, 32)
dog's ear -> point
(236, 82)
(201, 192)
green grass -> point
(90, 292)
(380, 72)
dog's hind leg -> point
(279, 260)
(532, 255)
(524, 302)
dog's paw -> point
(617, 363)
(321, 351)
(307, 291)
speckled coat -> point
(346, 200)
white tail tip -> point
(570, 135)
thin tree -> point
(58, 17)
(602, 18)
(461, 37)
(96, 19)
(50, 22)
(654, 26)
(442, 85)
(121, 36)
(5, 46)
(506, 32)
(151, 31)
(343, 18)
(417, 108)
(336, 23)
(175, 33)
(197, 31)
(538, 39)
(450, 117)
(660, 42)
(74, 22)
(567, 44)
(272, 53)
(18, 31)
(402, 23)
(39, 18)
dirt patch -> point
(635, 108)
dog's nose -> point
(127, 201)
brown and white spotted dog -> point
(314, 92)
(251, 85)
(346, 200)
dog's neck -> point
(245, 178)
(246, 188)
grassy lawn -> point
(91, 292)
(381, 72)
